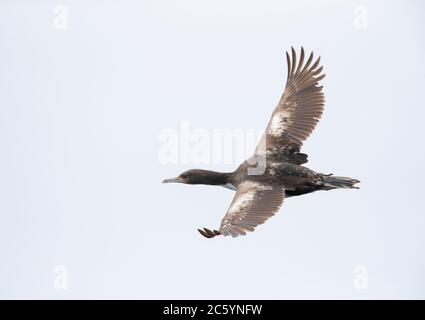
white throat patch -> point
(229, 186)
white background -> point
(80, 179)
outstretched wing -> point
(299, 108)
(252, 205)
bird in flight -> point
(276, 170)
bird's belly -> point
(291, 176)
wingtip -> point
(207, 233)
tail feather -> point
(335, 182)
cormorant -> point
(275, 171)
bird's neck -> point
(214, 178)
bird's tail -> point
(335, 182)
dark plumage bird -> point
(275, 171)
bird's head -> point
(198, 176)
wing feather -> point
(301, 105)
(259, 203)
(254, 203)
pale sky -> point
(86, 90)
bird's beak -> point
(175, 180)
